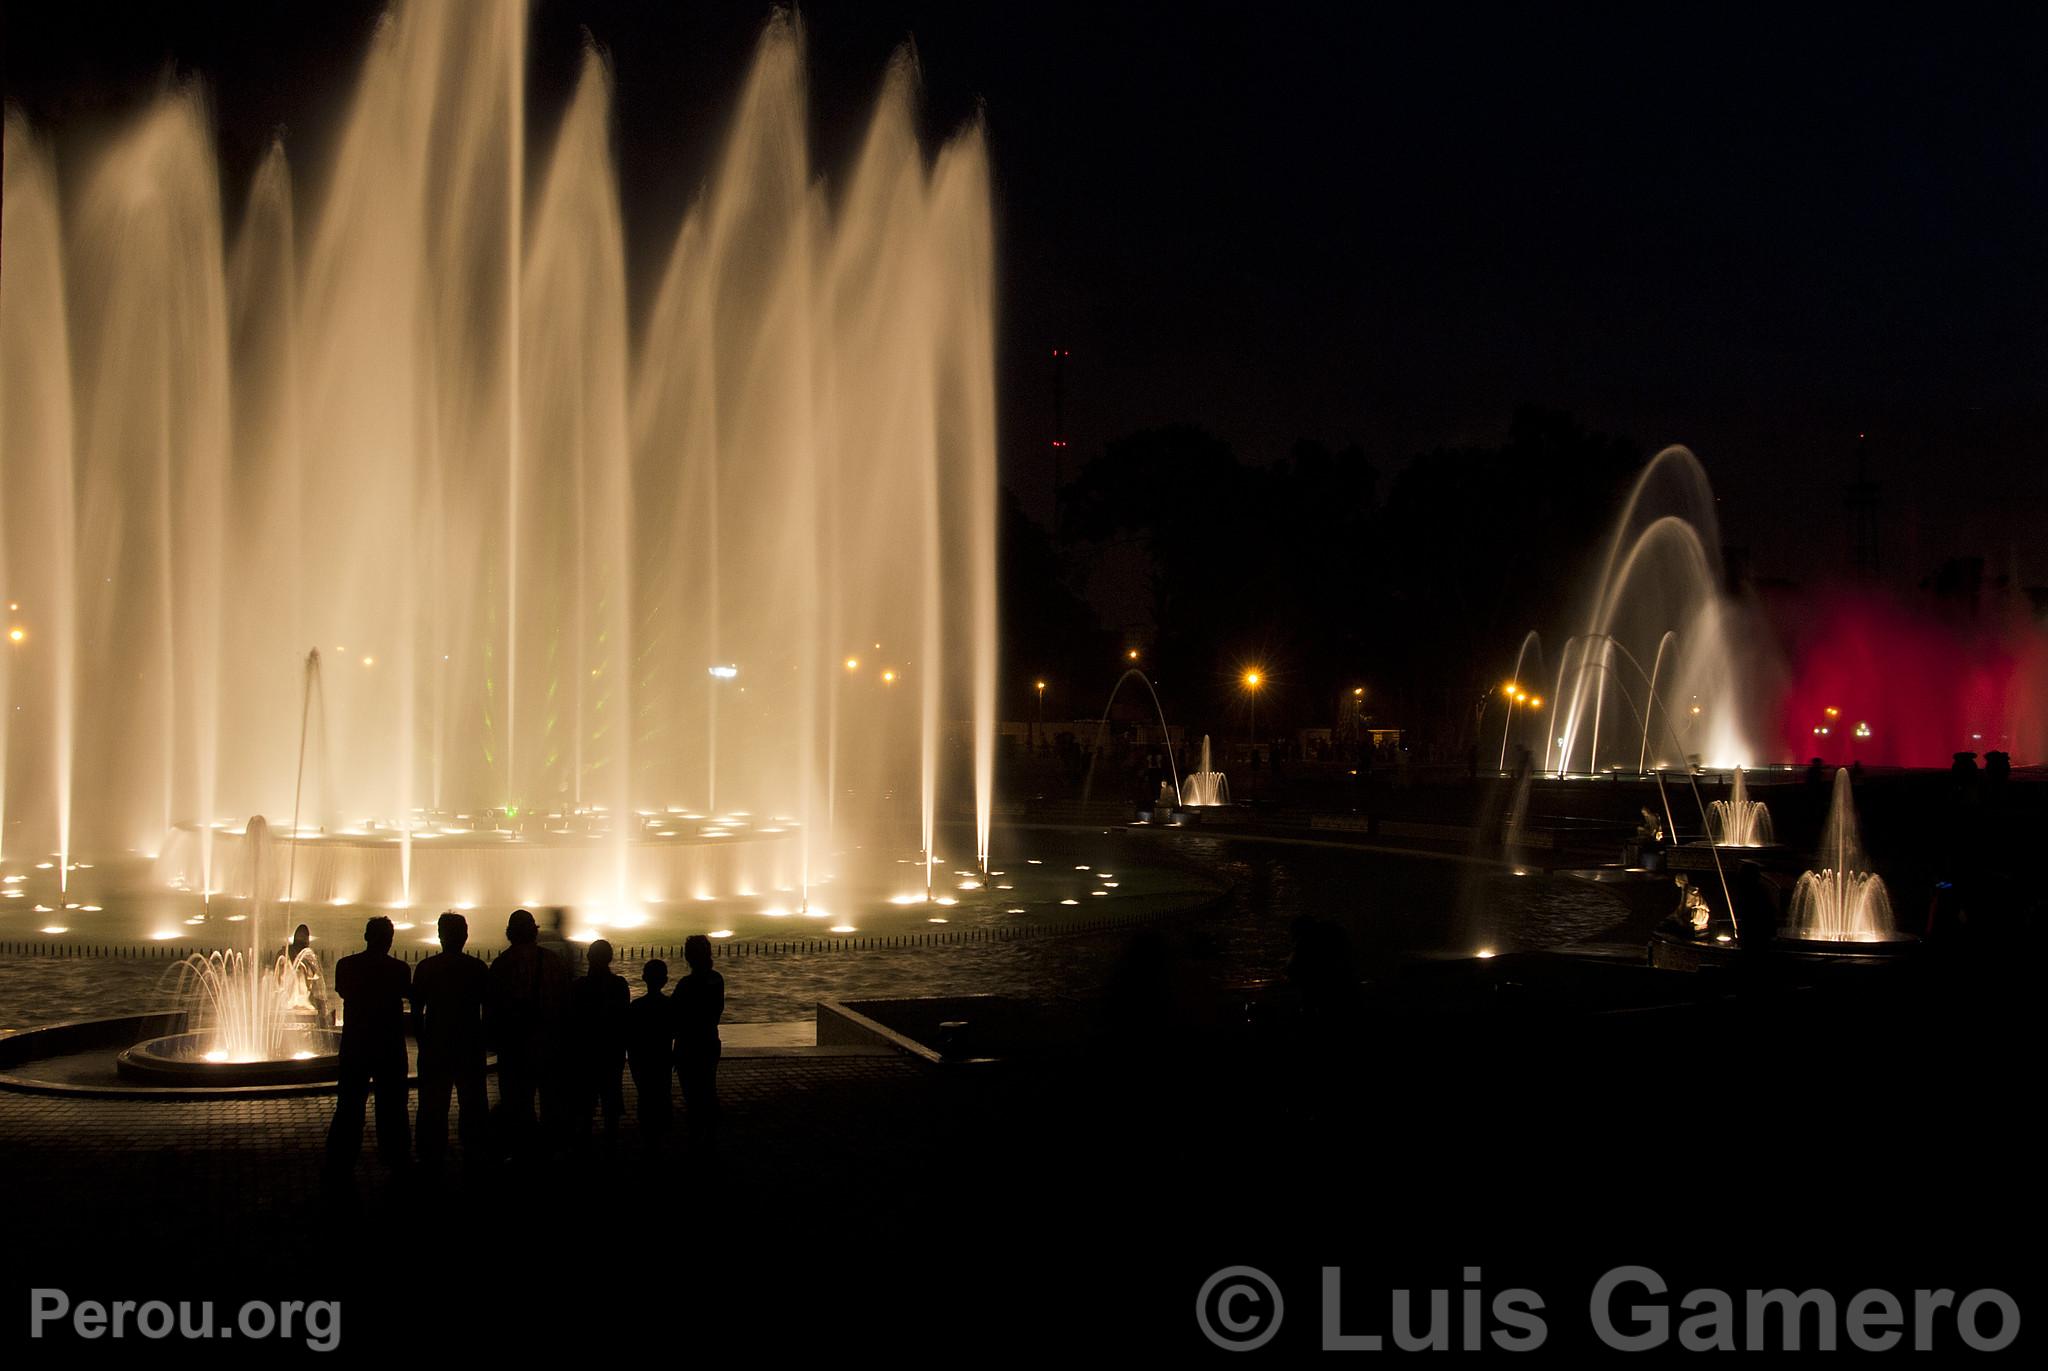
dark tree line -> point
(1317, 570)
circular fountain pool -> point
(465, 860)
(186, 1059)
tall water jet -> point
(1842, 899)
(574, 424)
(1739, 821)
(1206, 786)
(401, 417)
(37, 680)
(146, 309)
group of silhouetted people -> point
(563, 1044)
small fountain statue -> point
(1842, 900)
(1693, 910)
(1206, 787)
(1739, 821)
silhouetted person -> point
(448, 992)
(699, 1004)
(651, 1048)
(597, 1040)
(372, 985)
(523, 1011)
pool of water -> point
(1395, 908)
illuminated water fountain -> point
(587, 578)
(1842, 900)
(1660, 676)
(1174, 794)
(254, 1012)
(1739, 821)
(1206, 786)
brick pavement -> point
(234, 1174)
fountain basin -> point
(1672, 951)
(1888, 943)
(1701, 856)
(179, 1059)
(439, 867)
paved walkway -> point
(867, 1204)
(242, 1177)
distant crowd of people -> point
(563, 1044)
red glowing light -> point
(1923, 687)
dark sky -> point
(1755, 233)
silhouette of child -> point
(650, 1048)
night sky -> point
(1757, 234)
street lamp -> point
(1515, 695)
(1253, 679)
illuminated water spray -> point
(410, 414)
(1842, 899)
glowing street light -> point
(17, 635)
(853, 664)
(725, 673)
(1515, 694)
(1131, 654)
(889, 678)
(1253, 679)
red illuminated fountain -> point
(1875, 682)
